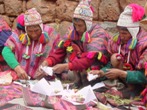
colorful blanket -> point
(9, 92)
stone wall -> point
(61, 11)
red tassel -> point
(144, 92)
(92, 9)
(104, 59)
(91, 55)
(127, 66)
(1, 58)
(119, 57)
(145, 66)
(41, 40)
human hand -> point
(39, 71)
(39, 74)
(21, 72)
(115, 73)
(100, 73)
(59, 68)
(44, 63)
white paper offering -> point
(88, 92)
(47, 88)
(56, 87)
(98, 85)
(81, 97)
(47, 70)
(42, 87)
(91, 77)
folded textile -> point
(10, 92)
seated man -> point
(131, 46)
(25, 53)
(84, 45)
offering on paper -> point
(91, 77)
(47, 70)
(98, 85)
(47, 88)
(81, 97)
(76, 98)
(56, 87)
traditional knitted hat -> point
(20, 22)
(130, 18)
(85, 12)
(32, 17)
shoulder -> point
(98, 31)
(14, 36)
(48, 29)
(95, 26)
(142, 37)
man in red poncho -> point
(84, 46)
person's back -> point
(5, 33)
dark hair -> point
(20, 27)
(122, 28)
(77, 19)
